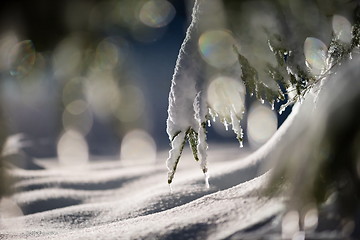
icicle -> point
(226, 124)
(240, 137)
(350, 56)
(170, 189)
(213, 115)
(207, 176)
(202, 148)
(262, 101)
(241, 144)
(202, 145)
(235, 122)
(282, 109)
(209, 123)
(273, 105)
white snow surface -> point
(111, 200)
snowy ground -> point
(123, 200)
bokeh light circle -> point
(262, 124)
(78, 116)
(72, 149)
(107, 55)
(156, 13)
(342, 28)
(217, 48)
(138, 145)
(22, 59)
(7, 42)
(132, 104)
(315, 54)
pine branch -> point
(192, 138)
(254, 85)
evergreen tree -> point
(287, 52)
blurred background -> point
(81, 79)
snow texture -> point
(183, 85)
(109, 201)
(182, 96)
(202, 144)
(189, 105)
